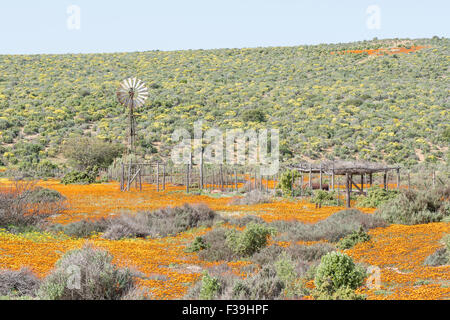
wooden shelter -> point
(349, 169)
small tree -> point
(88, 152)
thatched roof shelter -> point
(342, 167)
(347, 169)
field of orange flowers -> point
(398, 250)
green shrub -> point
(251, 240)
(352, 239)
(375, 197)
(87, 152)
(87, 274)
(210, 287)
(322, 197)
(197, 245)
(336, 271)
(285, 183)
(87, 176)
(286, 272)
(417, 207)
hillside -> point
(325, 101)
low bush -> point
(322, 197)
(331, 229)
(87, 274)
(83, 228)
(18, 283)
(337, 276)
(21, 210)
(417, 207)
(44, 195)
(309, 253)
(264, 285)
(252, 197)
(251, 240)
(267, 255)
(438, 258)
(160, 223)
(197, 245)
(352, 239)
(286, 272)
(375, 197)
(216, 246)
(87, 176)
(245, 220)
(441, 256)
(210, 287)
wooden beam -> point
(398, 178)
(356, 186)
(347, 189)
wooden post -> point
(362, 183)
(140, 180)
(187, 178)
(292, 183)
(221, 178)
(235, 180)
(129, 176)
(201, 172)
(347, 189)
(164, 176)
(310, 176)
(338, 191)
(122, 178)
(320, 177)
(398, 178)
(157, 176)
(332, 179)
(385, 180)
(370, 179)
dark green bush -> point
(210, 287)
(87, 176)
(375, 197)
(352, 239)
(197, 245)
(337, 274)
(251, 240)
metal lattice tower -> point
(132, 94)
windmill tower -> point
(132, 94)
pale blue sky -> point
(40, 26)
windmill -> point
(132, 94)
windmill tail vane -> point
(132, 94)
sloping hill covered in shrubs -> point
(391, 107)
